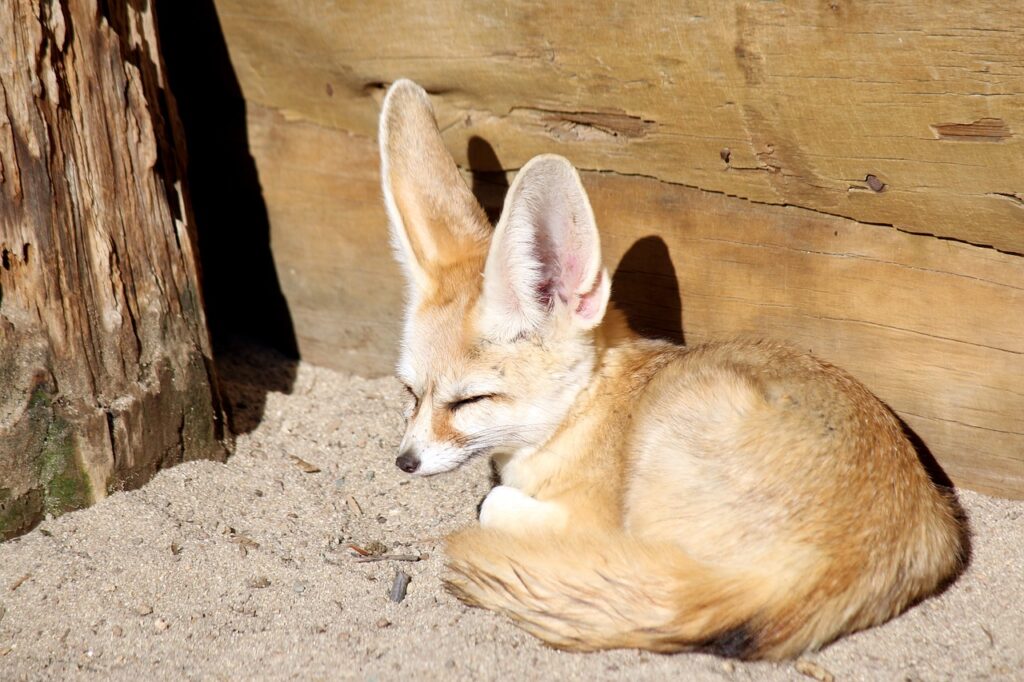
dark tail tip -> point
(738, 642)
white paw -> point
(502, 502)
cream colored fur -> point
(740, 497)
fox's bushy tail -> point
(587, 592)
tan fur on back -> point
(798, 509)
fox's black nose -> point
(408, 462)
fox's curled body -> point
(740, 497)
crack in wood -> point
(1015, 198)
(783, 204)
(583, 125)
(963, 424)
(981, 130)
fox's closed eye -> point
(456, 404)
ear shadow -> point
(489, 183)
(645, 288)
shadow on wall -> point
(489, 181)
(242, 294)
(645, 288)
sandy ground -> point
(243, 571)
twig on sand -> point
(991, 639)
(387, 557)
(812, 669)
(305, 466)
(372, 548)
(18, 583)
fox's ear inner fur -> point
(544, 262)
(434, 218)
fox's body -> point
(740, 496)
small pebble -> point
(375, 548)
(728, 666)
(299, 587)
(160, 624)
(143, 609)
(258, 583)
(117, 631)
(383, 623)
(399, 586)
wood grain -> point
(105, 372)
(804, 99)
(333, 259)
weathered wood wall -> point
(848, 176)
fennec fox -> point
(742, 497)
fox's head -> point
(499, 329)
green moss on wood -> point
(46, 440)
(18, 515)
(65, 485)
(40, 399)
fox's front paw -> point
(502, 501)
(511, 509)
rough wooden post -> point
(105, 371)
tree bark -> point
(105, 371)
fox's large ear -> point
(544, 263)
(434, 218)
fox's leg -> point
(510, 509)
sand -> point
(243, 570)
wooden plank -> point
(932, 326)
(329, 239)
(903, 113)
